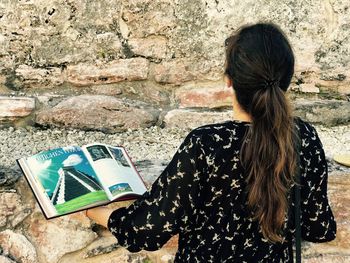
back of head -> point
(260, 64)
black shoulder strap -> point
(297, 203)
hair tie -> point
(271, 83)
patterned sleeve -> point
(151, 220)
(318, 224)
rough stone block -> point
(180, 71)
(2, 80)
(152, 47)
(13, 211)
(172, 72)
(308, 88)
(17, 246)
(4, 43)
(344, 89)
(39, 77)
(97, 112)
(4, 259)
(157, 18)
(8, 203)
(112, 72)
(182, 118)
(325, 112)
(339, 195)
(58, 236)
(327, 259)
(209, 97)
(101, 246)
(12, 108)
(150, 169)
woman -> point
(226, 192)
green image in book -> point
(120, 188)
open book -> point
(69, 179)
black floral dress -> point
(201, 196)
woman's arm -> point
(318, 224)
(163, 210)
(99, 214)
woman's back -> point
(208, 202)
(227, 191)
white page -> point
(114, 169)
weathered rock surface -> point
(153, 47)
(97, 112)
(327, 259)
(121, 255)
(4, 259)
(179, 71)
(210, 97)
(45, 34)
(344, 89)
(115, 71)
(189, 118)
(55, 47)
(39, 77)
(12, 108)
(57, 237)
(13, 211)
(150, 169)
(172, 72)
(327, 112)
(18, 247)
(142, 91)
(8, 174)
(101, 246)
(147, 18)
(309, 88)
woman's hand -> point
(99, 214)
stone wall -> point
(120, 66)
(155, 55)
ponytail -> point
(260, 63)
(269, 160)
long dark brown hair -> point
(260, 64)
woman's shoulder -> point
(309, 136)
(218, 127)
(306, 129)
(219, 133)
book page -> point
(115, 170)
(67, 178)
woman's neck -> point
(238, 113)
(241, 116)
